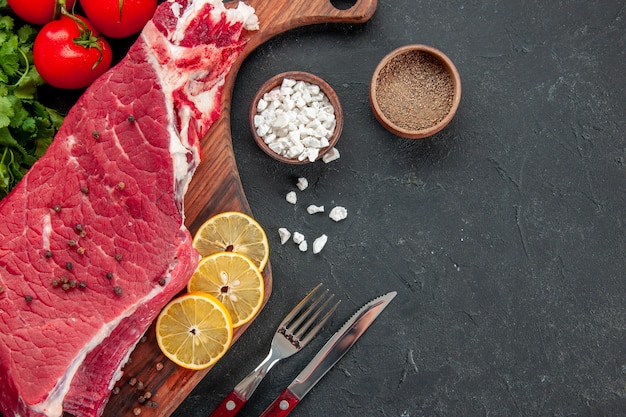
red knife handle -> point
(282, 405)
(229, 406)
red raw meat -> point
(92, 240)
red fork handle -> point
(229, 406)
(282, 405)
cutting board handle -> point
(280, 16)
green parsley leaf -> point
(6, 111)
(27, 127)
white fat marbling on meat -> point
(46, 231)
(246, 14)
(69, 143)
(242, 13)
(197, 92)
(176, 8)
(170, 80)
(188, 15)
(118, 372)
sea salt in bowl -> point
(296, 117)
(415, 91)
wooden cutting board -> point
(216, 187)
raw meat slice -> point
(92, 240)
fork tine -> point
(311, 333)
(298, 307)
(300, 318)
(308, 318)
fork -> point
(295, 331)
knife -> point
(328, 356)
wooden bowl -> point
(276, 81)
(415, 91)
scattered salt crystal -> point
(312, 142)
(270, 138)
(261, 105)
(302, 184)
(313, 124)
(262, 130)
(292, 197)
(331, 155)
(289, 82)
(277, 147)
(294, 137)
(273, 95)
(338, 213)
(295, 150)
(309, 153)
(312, 209)
(310, 113)
(284, 235)
(320, 132)
(286, 91)
(319, 243)
(289, 104)
(298, 238)
(280, 121)
(314, 89)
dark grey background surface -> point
(503, 234)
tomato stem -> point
(120, 5)
(59, 6)
(86, 39)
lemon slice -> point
(233, 279)
(194, 330)
(233, 232)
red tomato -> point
(38, 12)
(70, 54)
(119, 18)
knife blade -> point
(328, 356)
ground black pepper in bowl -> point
(415, 91)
